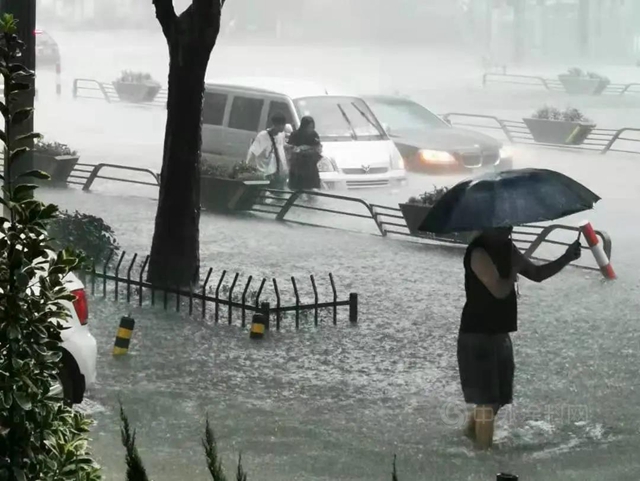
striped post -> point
(258, 326)
(58, 79)
(598, 252)
(123, 337)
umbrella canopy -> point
(508, 198)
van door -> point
(216, 146)
(244, 123)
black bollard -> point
(123, 337)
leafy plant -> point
(53, 148)
(40, 438)
(597, 76)
(239, 171)
(568, 115)
(137, 472)
(85, 233)
(579, 73)
(130, 76)
(429, 198)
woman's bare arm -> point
(485, 270)
(542, 272)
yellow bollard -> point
(258, 326)
(123, 337)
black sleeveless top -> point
(484, 313)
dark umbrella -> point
(509, 198)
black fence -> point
(390, 221)
(95, 90)
(552, 85)
(601, 141)
(123, 277)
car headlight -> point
(506, 152)
(436, 157)
(396, 160)
(327, 164)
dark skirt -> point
(303, 171)
(486, 368)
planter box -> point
(58, 167)
(582, 85)
(558, 132)
(228, 195)
(414, 214)
(136, 92)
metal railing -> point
(389, 220)
(600, 141)
(525, 80)
(552, 85)
(94, 173)
(223, 295)
(96, 90)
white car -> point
(79, 347)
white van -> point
(358, 151)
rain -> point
(338, 402)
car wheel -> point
(69, 386)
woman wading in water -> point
(492, 264)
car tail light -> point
(81, 306)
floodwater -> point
(339, 402)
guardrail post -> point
(353, 308)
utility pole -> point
(24, 11)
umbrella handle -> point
(579, 235)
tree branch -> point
(166, 15)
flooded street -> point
(339, 402)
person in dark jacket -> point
(306, 152)
(492, 264)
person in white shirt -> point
(267, 152)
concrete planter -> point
(583, 85)
(136, 92)
(414, 215)
(59, 168)
(558, 132)
(229, 195)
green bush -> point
(53, 148)
(239, 171)
(129, 76)
(40, 438)
(570, 114)
(86, 233)
(429, 198)
(137, 472)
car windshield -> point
(341, 118)
(400, 114)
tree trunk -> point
(175, 252)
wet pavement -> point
(338, 402)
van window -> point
(245, 114)
(213, 110)
(276, 107)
